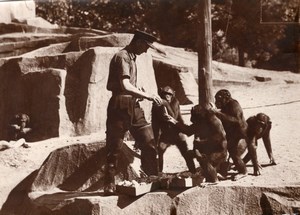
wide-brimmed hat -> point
(148, 38)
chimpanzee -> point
(19, 127)
(235, 126)
(210, 144)
(259, 126)
(164, 132)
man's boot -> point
(109, 180)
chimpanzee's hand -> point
(272, 161)
(257, 170)
(170, 119)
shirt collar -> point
(132, 56)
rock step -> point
(197, 200)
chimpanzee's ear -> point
(28, 119)
(160, 89)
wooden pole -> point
(204, 53)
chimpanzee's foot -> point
(109, 189)
(205, 184)
(239, 176)
(221, 177)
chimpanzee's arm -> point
(267, 143)
(219, 136)
(233, 113)
(186, 129)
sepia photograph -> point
(149, 107)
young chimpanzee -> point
(210, 145)
(19, 127)
(164, 132)
(235, 125)
(259, 126)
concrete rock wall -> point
(84, 55)
(11, 10)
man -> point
(124, 112)
(235, 126)
(167, 134)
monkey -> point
(210, 144)
(259, 126)
(19, 127)
(235, 125)
(167, 134)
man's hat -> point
(148, 38)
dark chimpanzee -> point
(210, 144)
(19, 127)
(235, 125)
(259, 126)
(164, 132)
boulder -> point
(238, 200)
(8, 28)
(85, 169)
(38, 94)
(221, 200)
(18, 48)
(96, 204)
(86, 94)
(37, 22)
(83, 89)
(176, 68)
(110, 40)
(10, 10)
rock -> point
(262, 79)
(210, 200)
(10, 10)
(85, 169)
(110, 40)
(40, 95)
(37, 22)
(177, 68)
(275, 203)
(82, 108)
(95, 204)
(18, 48)
(234, 200)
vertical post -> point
(204, 53)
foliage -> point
(236, 24)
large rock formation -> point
(85, 169)
(76, 188)
(81, 93)
(11, 10)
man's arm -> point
(132, 90)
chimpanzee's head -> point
(167, 93)
(222, 97)
(198, 114)
(262, 120)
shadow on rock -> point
(18, 201)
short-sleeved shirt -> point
(122, 66)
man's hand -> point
(156, 99)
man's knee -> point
(144, 135)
